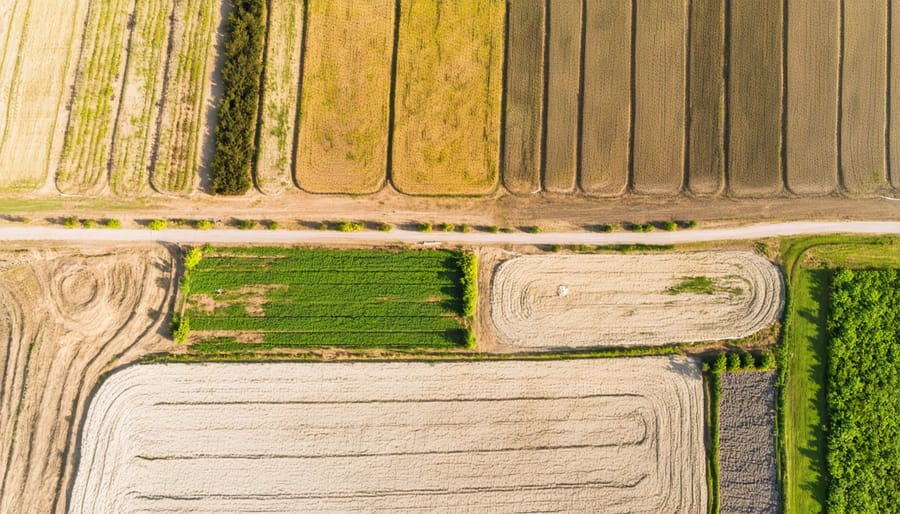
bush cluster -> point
(642, 227)
(349, 226)
(741, 360)
(158, 224)
(425, 227)
(468, 265)
(241, 74)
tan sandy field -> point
(506, 436)
(557, 301)
(66, 317)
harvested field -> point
(448, 95)
(177, 154)
(606, 111)
(40, 53)
(83, 167)
(564, 301)
(139, 108)
(522, 136)
(344, 111)
(280, 81)
(894, 74)
(563, 91)
(565, 435)
(659, 108)
(66, 317)
(748, 478)
(813, 59)
(863, 95)
(706, 148)
(755, 98)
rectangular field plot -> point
(524, 96)
(446, 134)
(280, 88)
(263, 298)
(659, 76)
(625, 434)
(754, 98)
(563, 85)
(345, 96)
(894, 72)
(606, 111)
(863, 96)
(813, 56)
(706, 148)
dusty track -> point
(507, 437)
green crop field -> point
(266, 297)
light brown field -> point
(281, 79)
(448, 95)
(565, 301)
(894, 115)
(563, 435)
(659, 76)
(754, 110)
(563, 90)
(813, 55)
(606, 111)
(66, 317)
(37, 69)
(345, 96)
(863, 95)
(706, 148)
(523, 136)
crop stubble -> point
(522, 136)
(606, 109)
(755, 98)
(560, 301)
(813, 57)
(446, 134)
(623, 433)
(345, 97)
(894, 72)
(863, 96)
(659, 110)
(563, 92)
(706, 149)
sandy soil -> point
(748, 478)
(66, 317)
(564, 301)
(507, 437)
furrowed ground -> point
(706, 160)
(263, 298)
(345, 98)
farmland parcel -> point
(624, 433)
(706, 160)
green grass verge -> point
(714, 394)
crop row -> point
(289, 340)
(324, 310)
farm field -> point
(344, 110)
(562, 301)
(67, 316)
(894, 114)
(524, 82)
(625, 433)
(748, 473)
(863, 157)
(269, 297)
(813, 57)
(446, 132)
(659, 107)
(606, 111)
(706, 136)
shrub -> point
(493, 229)
(246, 224)
(448, 227)
(349, 226)
(465, 227)
(468, 265)
(71, 222)
(322, 226)
(718, 363)
(534, 229)
(89, 224)
(670, 226)
(272, 225)
(158, 224)
(507, 230)
(692, 224)
(192, 258)
(606, 228)
(470, 339)
(424, 227)
(385, 227)
(113, 223)
(733, 362)
(181, 328)
(555, 248)
(241, 72)
(203, 224)
(642, 227)
(747, 360)
(766, 361)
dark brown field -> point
(706, 168)
(754, 98)
(564, 40)
(813, 55)
(863, 157)
(606, 112)
(659, 76)
(526, 20)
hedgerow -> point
(468, 265)
(241, 73)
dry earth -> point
(66, 317)
(748, 478)
(506, 436)
(547, 301)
